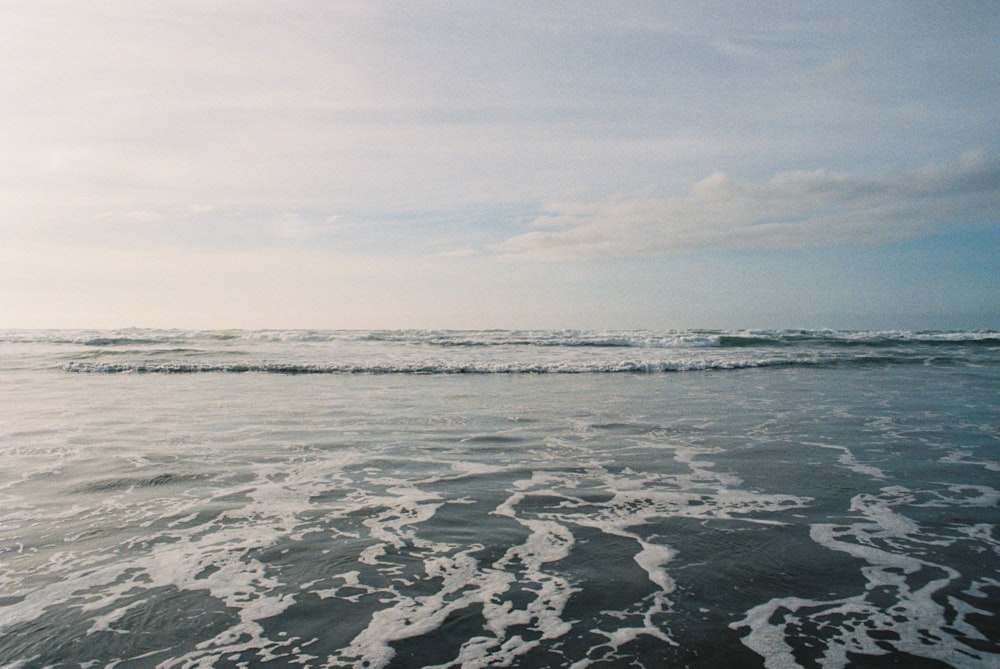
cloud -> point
(457, 253)
(794, 209)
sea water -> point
(499, 499)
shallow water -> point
(825, 513)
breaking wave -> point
(310, 352)
(626, 367)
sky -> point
(609, 165)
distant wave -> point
(857, 338)
(518, 338)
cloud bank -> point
(794, 209)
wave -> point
(426, 369)
(311, 352)
(487, 367)
(642, 339)
(838, 338)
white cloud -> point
(457, 253)
(792, 209)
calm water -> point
(495, 499)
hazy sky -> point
(263, 163)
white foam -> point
(213, 556)
(978, 588)
(469, 468)
(409, 616)
(638, 499)
(917, 623)
(964, 457)
(465, 583)
(983, 497)
(652, 559)
(624, 635)
(848, 459)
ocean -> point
(456, 499)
